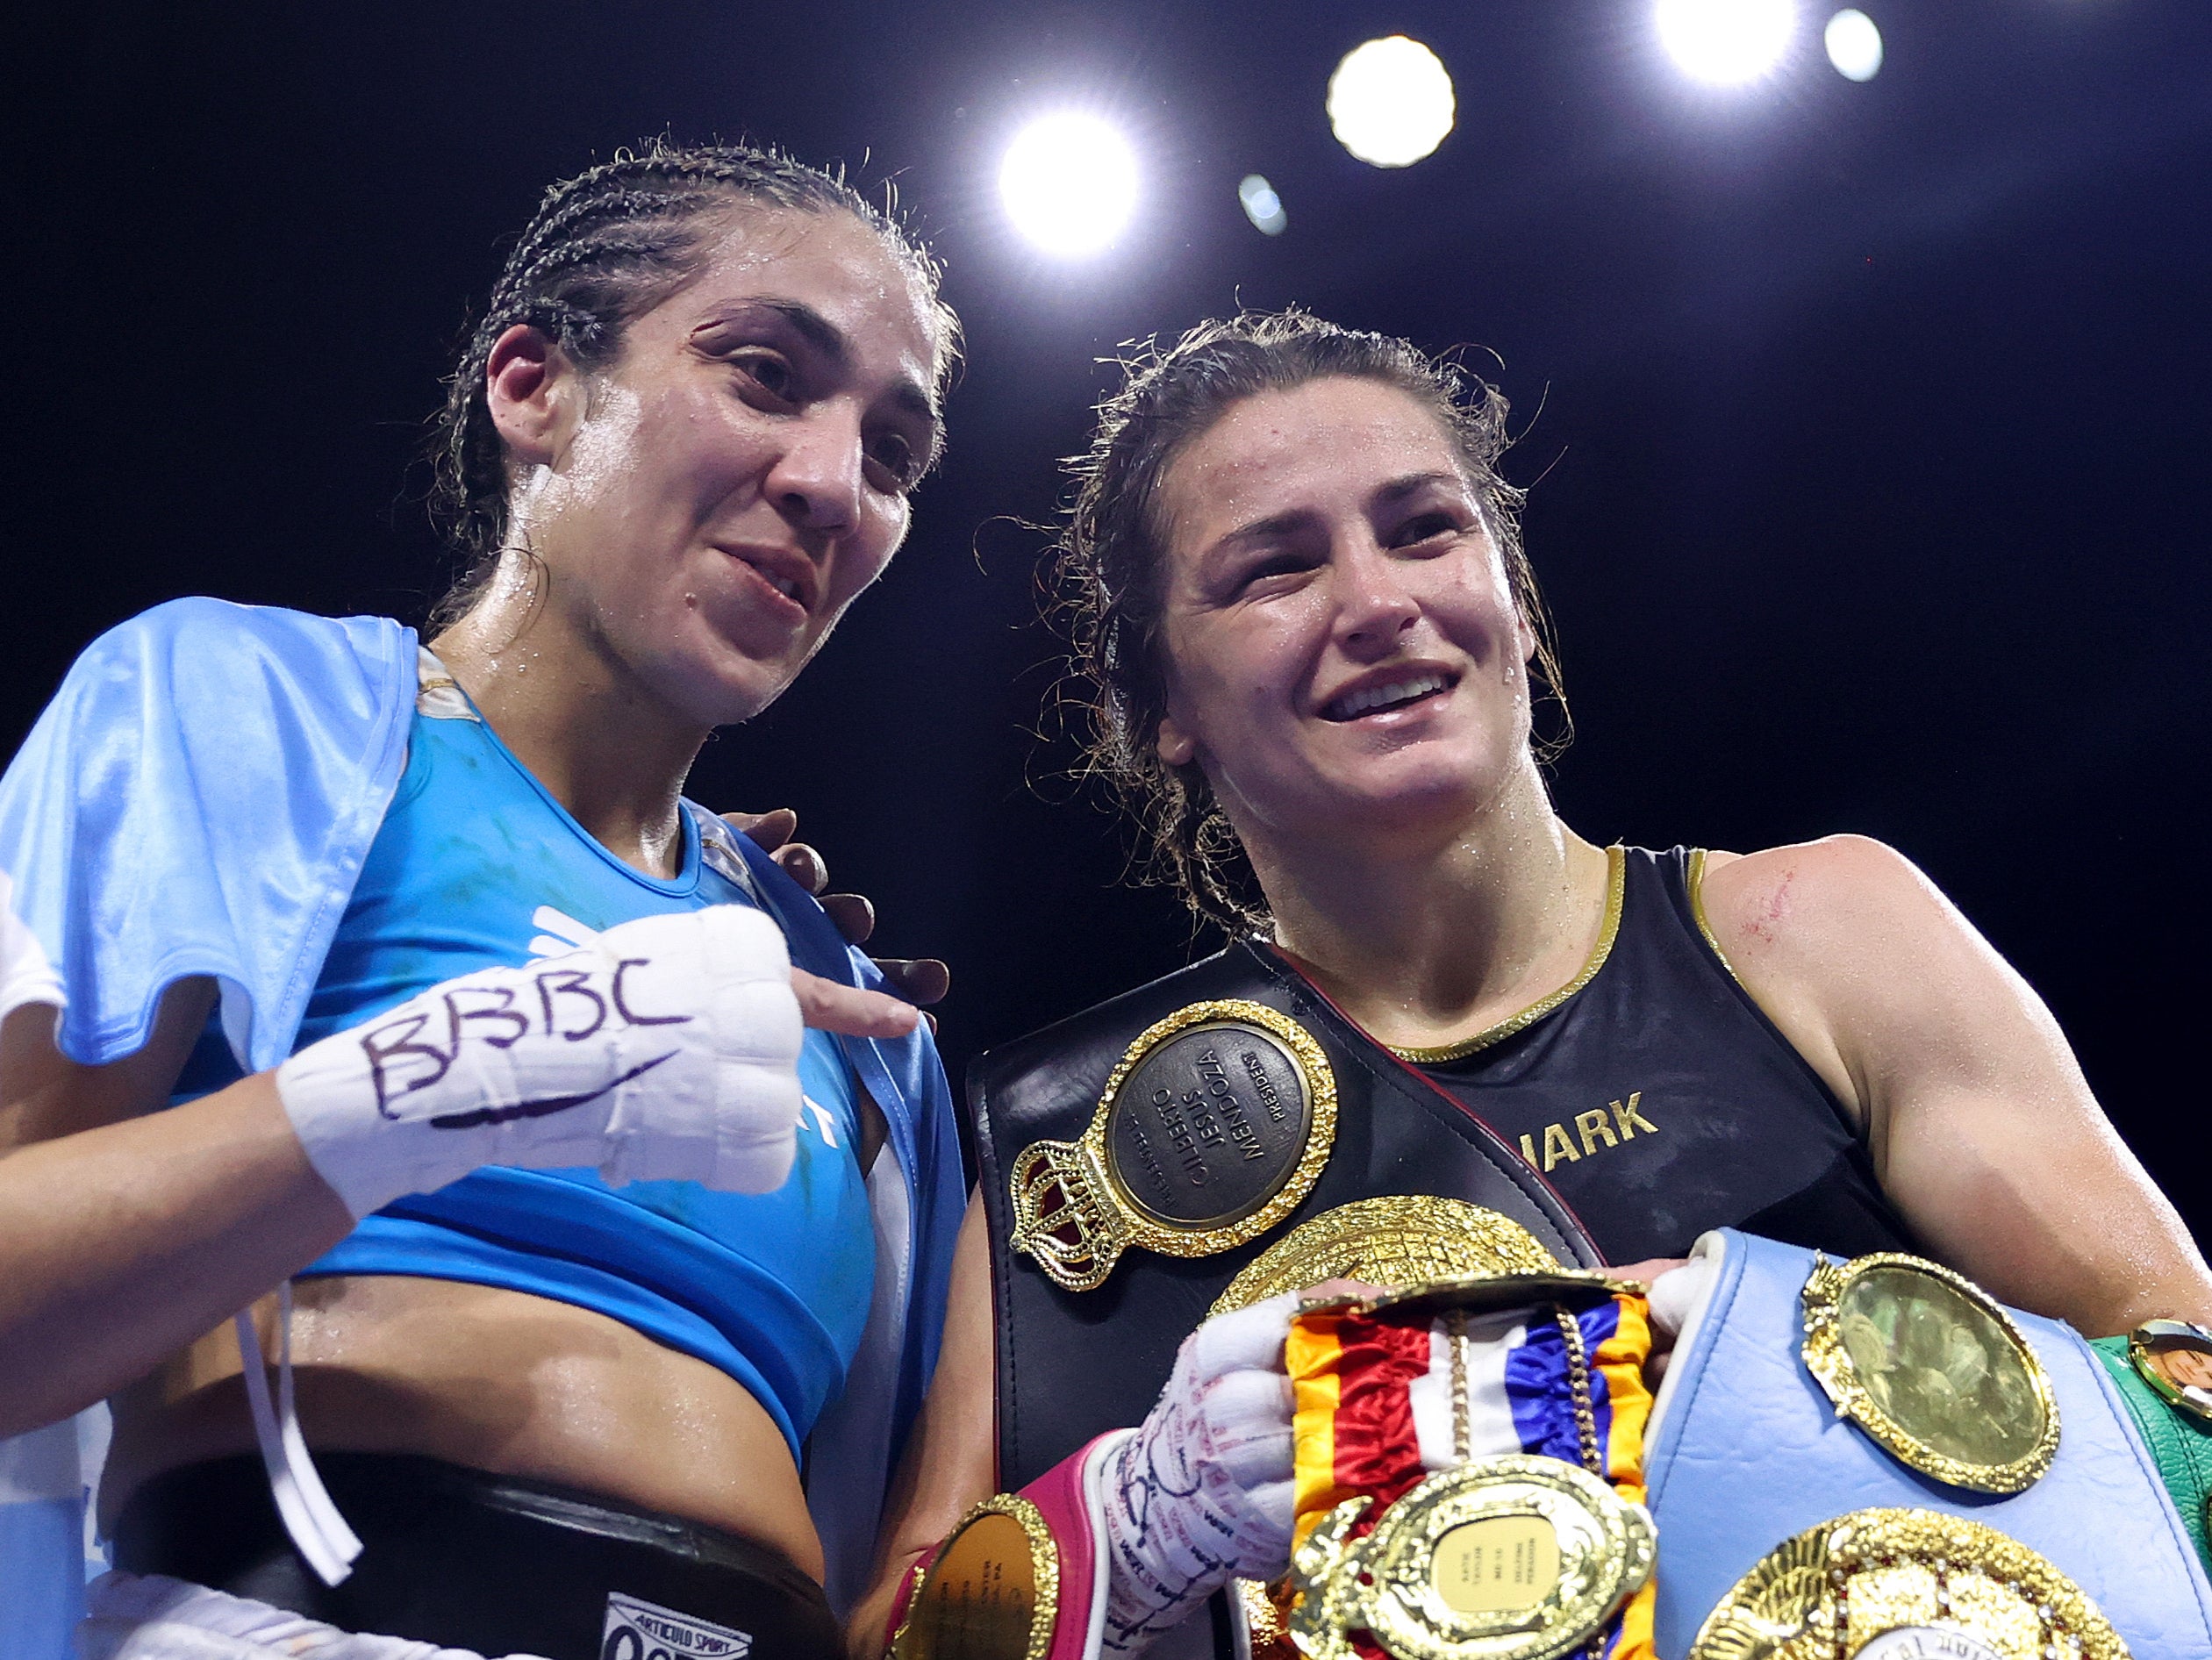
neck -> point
(579, 719)
(1426, 941)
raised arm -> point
(1983, 1131)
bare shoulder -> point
(1983, 1131)
(1858, 959)
(1817, 898)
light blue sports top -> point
(476, 864)
(199, 799)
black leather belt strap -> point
(467, 1560)
(1074, 1365)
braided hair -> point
(603, 248)
(1113, 554)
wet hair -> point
(1112, 555)
(603, 248)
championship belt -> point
(990, 1591)
(1140, 1159)
(1019, 1577)
(1459, 1501)
(1873, 1460)
(1901, 1585)
(1212, 1128)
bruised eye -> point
(770, 372)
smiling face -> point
(707, 505)
(1342, 647)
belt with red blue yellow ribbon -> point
(1470, 1474)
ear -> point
(527, 385)
(1526, 631)
(1176, 746)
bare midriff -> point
(497, 1380)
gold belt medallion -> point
(1398, 1239)
(1932, 1370)
(1402, 1239)
(1514, 1557)
(1214, 1124)
(990, 1593)
(1905, 1585)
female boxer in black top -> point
(1315, 641)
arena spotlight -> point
(1854, 44)
(1261, 205)
(1726, 42)
(1390, 102)
(1068, 183)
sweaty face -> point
(726, 487)
(1343, 647)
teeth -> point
(1353, 705)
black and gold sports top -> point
(1659, 1101)
(1162, 1154)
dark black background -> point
(1872, 445)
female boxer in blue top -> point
(593, 1248)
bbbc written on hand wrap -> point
(666, 1049)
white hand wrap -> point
(1202, 1491)
(665, 1049)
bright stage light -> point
(1854, 44)
(1068, 183)
(1390, 102)
(1726, 42)
(1261, 205)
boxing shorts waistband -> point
(501, 1565)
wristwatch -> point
(2174, 1356)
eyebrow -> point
(1399, 489)
(835, 345)
(1261, 529)
(819, 333)
(1276, 524)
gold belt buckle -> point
(1513, 1557)
(1900, 1585)
(1928, 1364)
(992, 1591)
(1214, 1125)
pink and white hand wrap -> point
(1147, 1523)
(1202, 1494)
